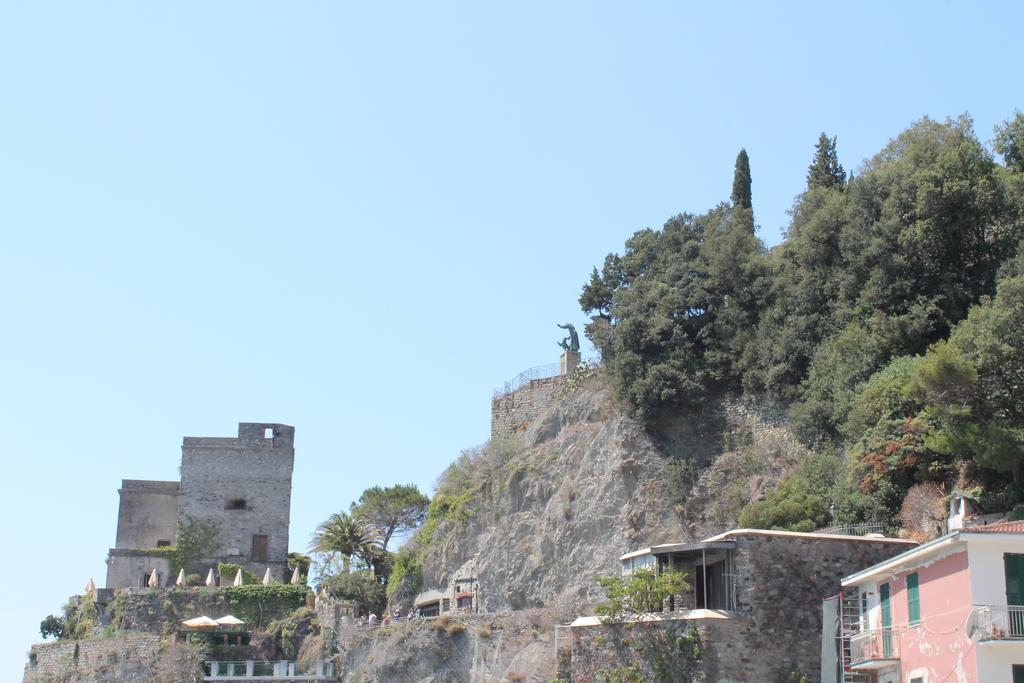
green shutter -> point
(913, 599)
(884, 594)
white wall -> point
(985, 558)
(996, 660)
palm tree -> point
(343, 534)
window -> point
(163, 544)
(916, 680)
(268, 433)
(913, 599)
(1018, 673)
(259, 548)
(235, 504)
(864, 611)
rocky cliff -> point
(536, 516)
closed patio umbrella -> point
(238, 578)
(267, 578)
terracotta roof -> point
(997, 528)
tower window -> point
(235, 504)
(268, 433)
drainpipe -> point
(704, 571)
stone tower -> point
(244, 485)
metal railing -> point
(252, 670)
(860, 529)
(527, 376)
(539, 372)
(997, 622)
(873, 645)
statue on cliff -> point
(572, 342)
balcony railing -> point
(266, 671)
(877, 647)
(997, 622)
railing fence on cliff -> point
(861, 529)
(538, 372)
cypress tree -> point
(741, 181)
(825, 170)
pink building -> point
(949, 610)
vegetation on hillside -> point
(889, 321)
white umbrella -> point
(238, 578)
(209, 579)
(295, 577)
(181, 578)
(90, 587)
(200, 622)
(153, 580)
(228, 620)
(267, 578)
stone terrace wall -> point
(776, 630)
(782, 581)
(513, 412)
(103, 659)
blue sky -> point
(359, 220)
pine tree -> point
(741, 181)
(825, 170)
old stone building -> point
(242, 484)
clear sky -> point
(359, 219)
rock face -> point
(557, 504)
(511, 647)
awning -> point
(229, 620)
(200, 622)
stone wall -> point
(103, 659)
(244, 486)
(128, 568)
(147, 514)
(776, 629)
(513, 412)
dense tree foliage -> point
(391, 510)
(846, 320)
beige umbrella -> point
(90, 587)
(153, 580)
(181, 578)
(238, 578)
(228, 620)
(209, 579)
(267, 578)
(200, 622)
(295, 577)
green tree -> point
(741, 181)
(344, 535)
(638, 594)
(929, 224)
(799, 309)
(197, 540)
(391, 510)
(361, 587)
(52, 626)
(826, 171)
(972, 385)
(1009, 142)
